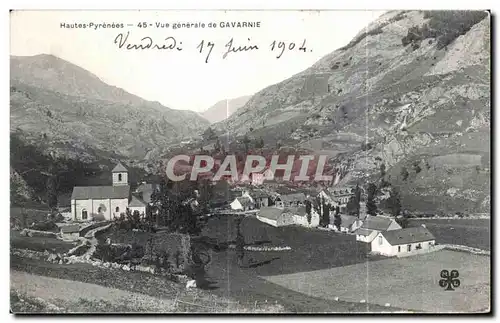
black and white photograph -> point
(250, 162)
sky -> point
(182, 79)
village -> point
(258, 229)
(253, 196)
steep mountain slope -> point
(411, 91)
(68, 110)
(224, 108)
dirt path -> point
(64, 293)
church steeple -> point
(120, 175)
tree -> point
(404, 173)
(394, 202)
(308, 211)
(206, 194)
(371, 206)
(353, 206)
(337, 221)
(209, 134)
(326, 214)
(259, 143)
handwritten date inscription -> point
(206, 47)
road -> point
(70, 294)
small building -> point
(242, 203)
(70, 232)
(275, 216)
(300, 216)
(260, 198)
(403, 241)
(290, 200)
(348, 224)
(365, 235)
(137, 204)
(146, 190)
(373, 225)
(380, 223)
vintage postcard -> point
(237, 161)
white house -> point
(403, 241)
(275, 216)
(102, 202)
(365, 235)
(348, 223)
(242, 203)
(375, 224)
(300, 216)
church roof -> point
(100, 192)
(119, 168)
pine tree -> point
(394, 202)
(337, 222)
(308, 211)
(353, 205)
(326, 214)
(371, 206)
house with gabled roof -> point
(373, 225)
(403, 241)
(104, 202)
(137, 204)
(274, 216)
(242, 203)
(348, 223)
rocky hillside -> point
(71, 112)
(410, 91)
(224, 108)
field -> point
(301, 279)
(39, 243)
(403, 283)
(311, 250)
(468, 232)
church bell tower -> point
(120, 175)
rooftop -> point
(136, 202)
(97, 192)
(408, 235)
(119, 168)
(271, 213)
(295, 197)
(377, 223)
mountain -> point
(411, 91)
(224, 108)
(69, 111)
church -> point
(105, 202)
